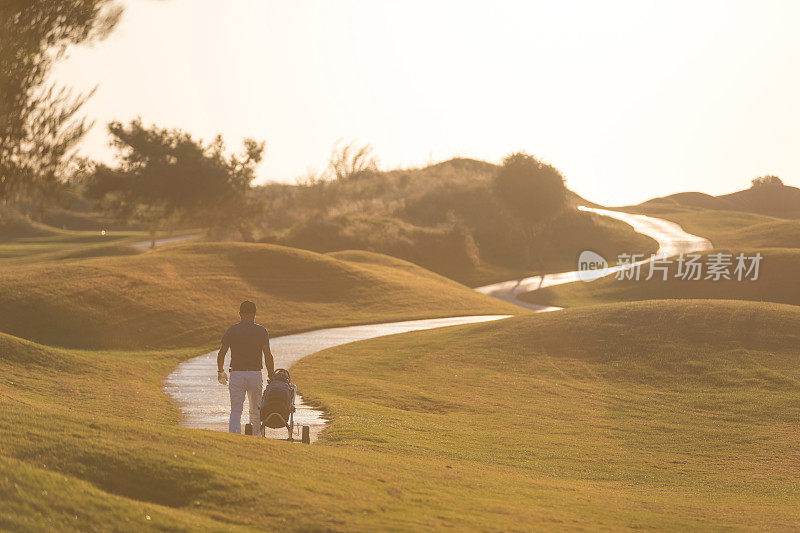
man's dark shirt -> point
(247, 340)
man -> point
(247, 342)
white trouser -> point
(245, 382)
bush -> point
(766, 181)
(495, 233)
(447, 248)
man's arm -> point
(223, 350)
(268, 359)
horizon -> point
(696, 98)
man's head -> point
(247, 310)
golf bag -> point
(277, 401)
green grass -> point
(778, 201)
(66, 246)
(24, 241)
(100, 250)
(722, 228)
(774, 234)
(19, 235)
(69, 244)
(776, 283)
(659, 414)
(778, 240)
(728, 229)
(666, 415)
(185, 295)
(14, 226)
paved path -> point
(671, 238)
(205, 404)
(145, 245)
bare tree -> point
(351, 161)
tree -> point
(766, 181)
(533, 192)
(165, 176)
(38, 127)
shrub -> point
(447, 248)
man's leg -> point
(254, 390)
(237, 388)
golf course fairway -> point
(667, 414)
(206, 405)
(186, 295)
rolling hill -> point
(776, 283)
(775, 200)
(670, 415)
(764, 216)
(14, 225)
(186, 295)
(443, 217)
(742, 222)
(634, 410)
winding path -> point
(204, 404)
(671, 238)
(146, 245)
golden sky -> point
(629, 99)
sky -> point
(630, 100)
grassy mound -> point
(23, 240)
(715, 225)
(84, 445)
(103, 250)
(82, 221)
(670, 415)
(775, 200)
(729, 229)
(772, 234)
(186, 295)
(65, 245)
(753, 218)
(691, 199)
(639, 410)
(447, 248)
(776, 283)
(14, 225)
(372, 258)
(444, 217)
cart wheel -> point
(248, 429)
(306, 435)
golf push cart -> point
(277, 406)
